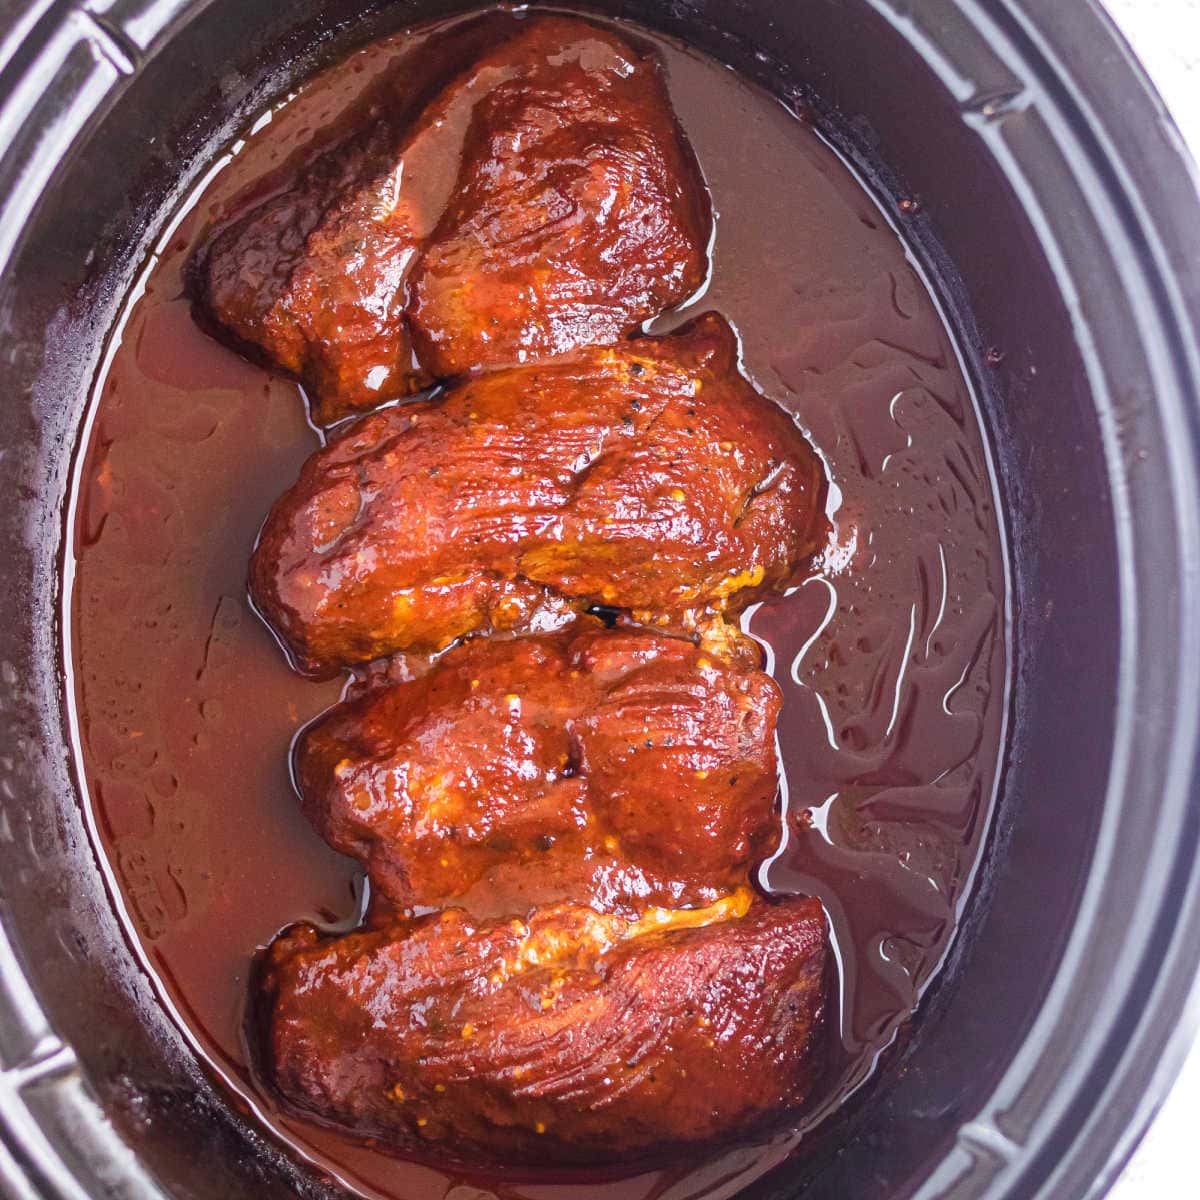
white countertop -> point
(1166, 36)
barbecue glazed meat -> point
(649, 476)
(570, 1037)
(579, 212)
(612, 768)
(310, 279)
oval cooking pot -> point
(1058, 221)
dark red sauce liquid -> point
(892, 656)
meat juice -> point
(891, 654)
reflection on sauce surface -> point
(891, 656)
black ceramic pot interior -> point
(1051, 228)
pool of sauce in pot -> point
(891, 655)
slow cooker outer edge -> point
(1078, 1156)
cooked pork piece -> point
(648, 476)
(579, 210)
(617, 769)
(572, 1036)
(544, 195)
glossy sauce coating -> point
(577, 212)
(891, 655)
(569, 1036)
(599, 769)
(616, 769)
(648, 476)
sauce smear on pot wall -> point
(891, 656)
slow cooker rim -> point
(31, 1166)
(1147, 1043)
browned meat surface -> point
(579, 212)
(619, 769)
(310, 279)
(308, 282)
(649, 476)
(572, 1036)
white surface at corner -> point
(1166, 36)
